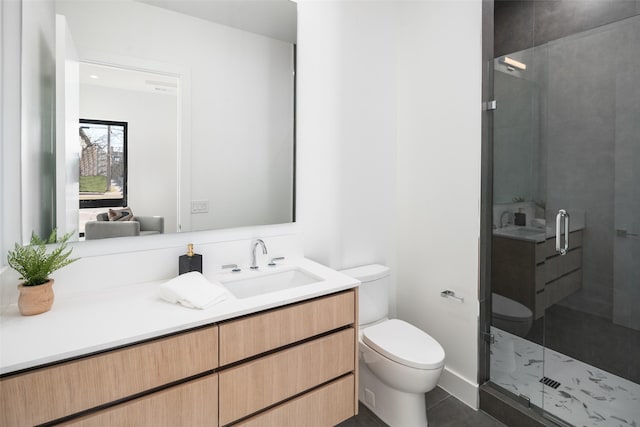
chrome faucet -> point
(502, 221)
(254, 246)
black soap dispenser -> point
(189, 262)
(520, 218)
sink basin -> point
(258, 283)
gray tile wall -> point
(580, 142)
(521, 24)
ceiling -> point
(272, 18)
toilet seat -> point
(405, 344)
(508, 309)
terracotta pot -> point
(35, 299)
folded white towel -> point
(193, 290)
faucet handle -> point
(234, 267)
(273, 261)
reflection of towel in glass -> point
(193, 290)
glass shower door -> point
(517, 321)
(590, 131)
(566, 237)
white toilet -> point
(510, 315)
(399, 363)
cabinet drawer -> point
(563, 287)
(561, 265)
(541, 276)
(544, 250)
(82, 384)
(255, 385)
(547, 248)
(541, 304)
(190, 404)
(249, 336)
(326, 406)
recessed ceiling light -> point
(93, 76)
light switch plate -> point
(199, 206)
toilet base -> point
(394, 407)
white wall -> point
(438, 200)
(346, 137)
(151, 145)
(245, 179)
(389, 156)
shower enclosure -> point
(565, 257)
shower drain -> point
(549, 382)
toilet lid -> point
(405, 344)
(509, 309)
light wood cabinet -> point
(58, 391)
(194, 403)
(255, 385)
(533, 273)
(298, 362)
(252, 335)
(325, 406)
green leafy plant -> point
(34, 263)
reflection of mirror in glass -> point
(516, 136)
(233, 160)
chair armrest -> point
(151, 223)
(104, 229)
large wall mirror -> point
(178, 109)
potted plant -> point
(34, 264)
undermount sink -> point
(253, 283)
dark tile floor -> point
(443, 410)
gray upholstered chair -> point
(139, 226)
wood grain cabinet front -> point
(260, 383)
(325, 406)
(533, 273)
(50, 393)
(255, 334)
(193, 404)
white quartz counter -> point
(121, 315)
(537, 235)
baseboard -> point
(459, 387)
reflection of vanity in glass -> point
(526, 268)
(228, 158)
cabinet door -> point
(252, 335)
(258, 384)
(193, 404)
(50, 393)
(325, 406)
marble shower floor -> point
(586, 396)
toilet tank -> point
(373, 293)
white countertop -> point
(537, 235)
(121, 315)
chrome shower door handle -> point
(562, 249)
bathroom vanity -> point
(284, 358)
(526, 268)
